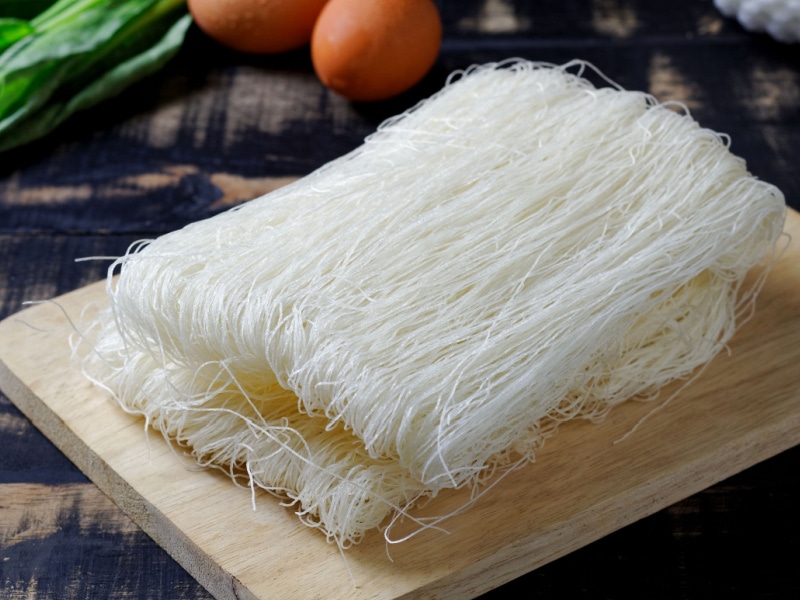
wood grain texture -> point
(744, 408)
(54, 538)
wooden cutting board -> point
(586, 483)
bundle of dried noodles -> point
(520, 249)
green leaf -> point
(86, 32)
(35, 125)
(134, 69)
(12, 30)
(82, 51)
(62, 12)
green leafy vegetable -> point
(12, 30)
(76, 53)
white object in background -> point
(779, 18)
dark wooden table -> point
(215, 129)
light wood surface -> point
(586, 483)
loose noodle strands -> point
(521, 249)
(252, 430)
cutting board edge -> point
(494, 570)
(749, 451)
(211, 575)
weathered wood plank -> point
(71, 541)
(247, 128)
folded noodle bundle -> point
(520, 249)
